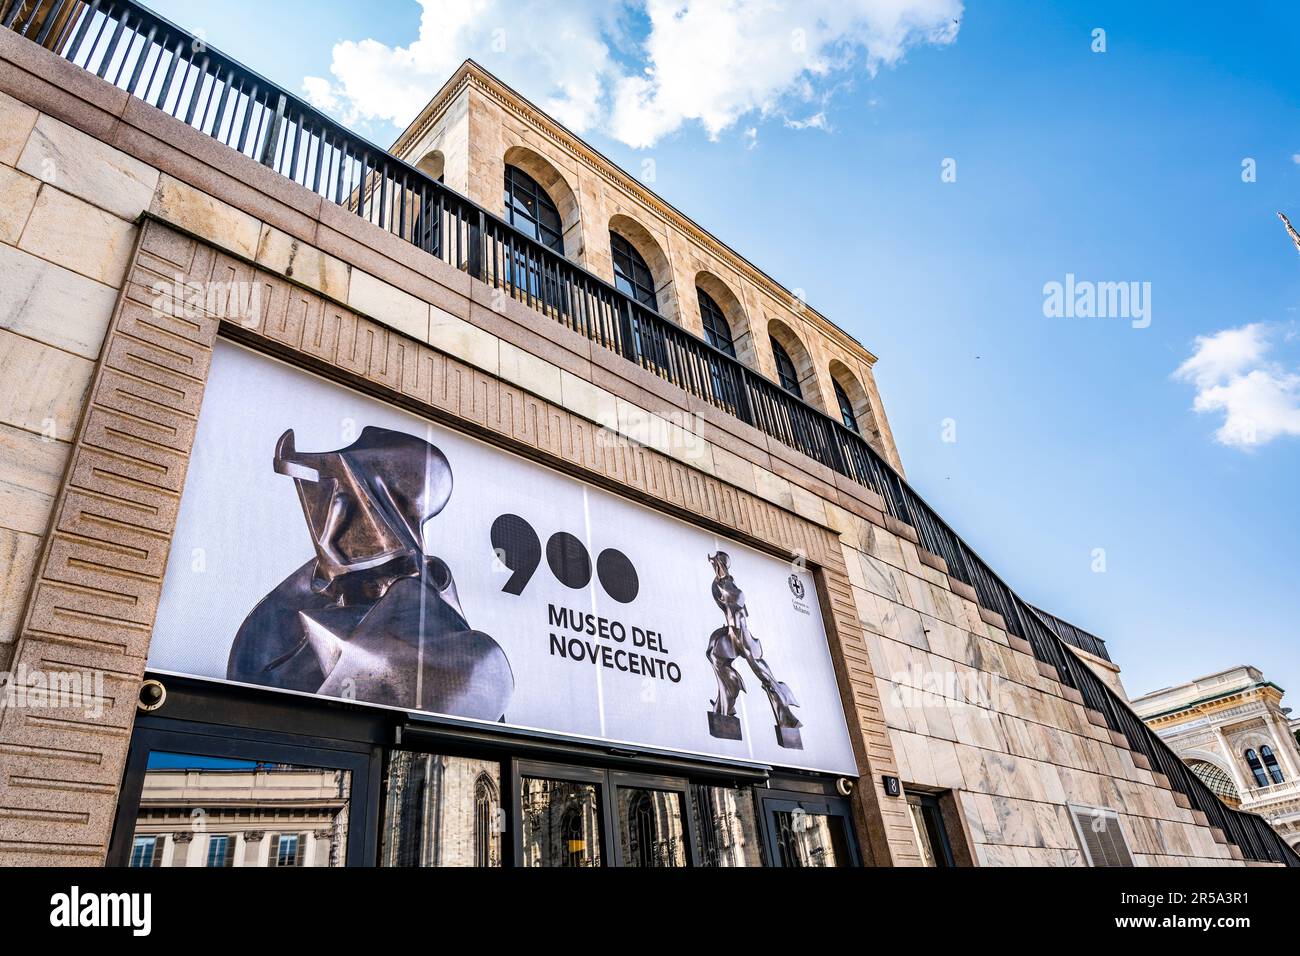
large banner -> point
(331, 544)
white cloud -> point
(1259, 399)
(558, 50)
(705, 62)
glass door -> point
(809, 831)
(561, 814)
(651, 815)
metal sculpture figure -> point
(372, 617)
(733, 640)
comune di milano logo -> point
(76, 909)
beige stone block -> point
(30, 470)
(16, 122)
(72, 233)
(590, 401)
(389, 305)
(280, 252)
(773, 487)
(531, 373)
(46, 302)
(688, 447)
(18, 554)
(69, 160)
(844, 523)
(195, 211)
(457, 337)
(808, 505)
(17, 197)
(734, 469)
(42, 389)
(642, 426)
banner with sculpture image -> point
(331, 544)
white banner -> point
(331, 544)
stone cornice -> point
(472, 74)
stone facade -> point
(1216, 723)
(476, 125)
(100, 397)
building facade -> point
(478, 481)
(1232, 730)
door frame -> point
(214, 740)
(772, 802)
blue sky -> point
(1073, 434)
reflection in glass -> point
(214, 811)
(728, 826)
(441, 811)
(811, 839)
(560, 823)
(650, 827)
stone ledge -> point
(1219, 836)
(1199, 817)
(1161, 780)
(1181, 799)
(1141, 760)
(1096, 717)
(901, 529)
(963, 589)
(1047, 670)
(932, 560)
(1017, 643)
(1116, 738)
(995, 619)
(1073, 695)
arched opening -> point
(852, 403)
(1256, 768)
(735, 322)
(432, 164)
(792, 366)
(641, 267)
(486, 835)
(1217, 779)
(530, 209)
(1270, 764)
(541, 185)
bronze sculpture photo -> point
(733, 640)
(371, 616)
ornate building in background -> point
(1232, 730)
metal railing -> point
(1076, 636)
(133, 48)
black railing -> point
(163, 65)
(1074, 635)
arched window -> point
(1270, 763)
(786, 375)
(485, 821)
(846, 407)
(574, 837)
(1256, 768)
(631, 273)
(530, 210)
(717, 330)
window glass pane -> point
(650, 828)
(217, 811)
(846, 407)
(530, 210)
(716, 328)
(811, 839)
(144, 851)
(560, 823)
(922, 833)
(728, 826)
(441, 811)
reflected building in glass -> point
(205, 814)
